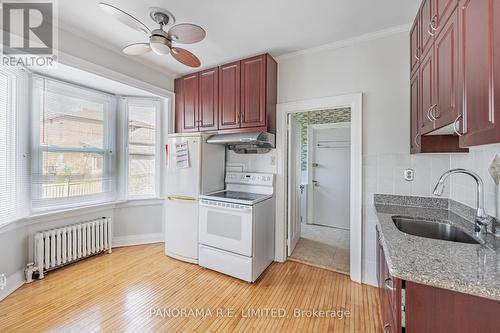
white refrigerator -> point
(193, 168)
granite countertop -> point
(467, 268)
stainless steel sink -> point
(432, 229)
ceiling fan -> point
(160, 41)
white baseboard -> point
(14, 282)
(137, 239)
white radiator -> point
(58, 247)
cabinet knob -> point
(429, 114)
(416, 141)
(387, 328)
(429, 30)
(388, 284)
(455, 128)
(435, 108)
(431, 24)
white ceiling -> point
(240, 28)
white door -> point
(329, 156)
(294, 172)
(184, 179)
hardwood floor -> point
(134, 288)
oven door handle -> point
(240, 208)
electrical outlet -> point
(3, 281)
(409, 175)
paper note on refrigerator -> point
(181, 155)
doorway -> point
(285, 206)
(319, 188)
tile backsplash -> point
(463, 188)
(265, 163)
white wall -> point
(379, 69)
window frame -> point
(38, 148)
(17, 126)
(147, 102)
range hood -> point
(245, 143)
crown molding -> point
(347, 42)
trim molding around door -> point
(353, 101)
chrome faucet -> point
(481, 221)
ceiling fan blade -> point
(136, 49)
(185, 57)
(124, 17)
(186, 33)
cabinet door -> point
(444, 9)
(427, 92)
(415, 139)
(253, 92)
(229, 95)
(446, 74)
(426, 19)
(179, 106)
(415, 46)
(189, 111)
(209, 100)
(480, 66)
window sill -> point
(46, 216)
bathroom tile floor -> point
(323, 247)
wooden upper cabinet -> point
(427, 93)
(446, 110)
(253, 92)
(443, 10)
(239, 96)
(208, 112)
(479, 23)
(187, 103)
(179, 106)
(415, 46)
(426, 20)
(229, 95)
(415, 139)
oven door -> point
(226, 226)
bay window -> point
(14, 174)
(142, 163)
(73, 140)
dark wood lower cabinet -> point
(430, 309)
(415, 308)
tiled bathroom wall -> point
(318, 117)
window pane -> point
(71, 174)
(141, 148)
(141, 175)
(71, 121)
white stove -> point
(237, 226)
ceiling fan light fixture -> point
(160, 45)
